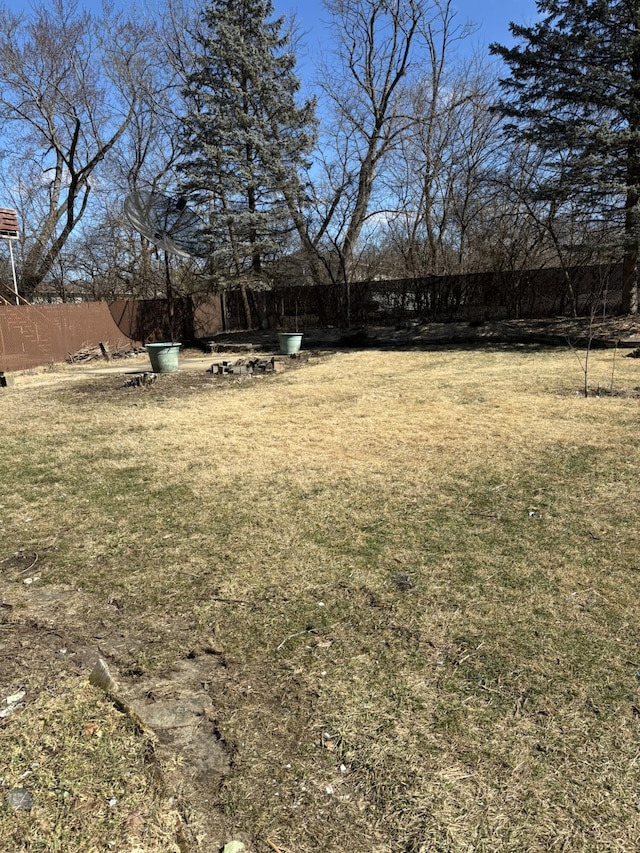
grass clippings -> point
(411, 579)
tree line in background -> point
(408, 154)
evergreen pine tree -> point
(574, 92)
(245, 136)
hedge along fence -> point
(525, 294)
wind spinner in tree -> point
(171, 226)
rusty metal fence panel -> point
(35, 335)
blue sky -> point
(491, 16)
(494, 16)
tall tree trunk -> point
(632, 205)
(630, 281)
(245, 305)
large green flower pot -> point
(290, 342)
(163, 357)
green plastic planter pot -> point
(290, 342)
(163, 357)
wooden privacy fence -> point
(33, 335)
(527, 294)
(183, 319)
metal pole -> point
(13, 270)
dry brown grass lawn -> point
(415, 574)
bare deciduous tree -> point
(376, 48)
(69, 84)
(379, 99)
(436, 181)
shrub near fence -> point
(526, 294)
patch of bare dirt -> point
(195, 379)
(48, 632)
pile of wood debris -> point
(103, 351)
(245, 366)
